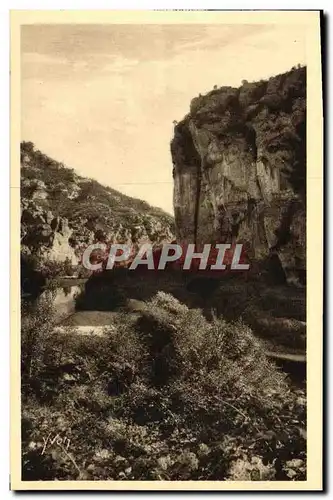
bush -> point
(216, 384)
(37, 322)
(165, 395)
(212, 360)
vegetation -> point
(37, 274)
(80, 199)
(62, 213)
(164, 394)
(168, 391)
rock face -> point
(44, 235)
(239, 171)
(62, 213)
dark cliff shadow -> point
(274, 310)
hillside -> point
(62, 212)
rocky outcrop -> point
(45, 236)
(239, 171)
(62, 213)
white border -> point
(4, 171)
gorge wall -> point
(239, 161)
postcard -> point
(166, 250)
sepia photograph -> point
(165, 227)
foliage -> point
(75, 197)
(36, 330)
(37, 274)
(164, 394)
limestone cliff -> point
(239, 170)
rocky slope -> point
(62, 212)
(239, 171)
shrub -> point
(166, 395)
(37, 322)
(224, 357)
(215, 382)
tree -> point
(27, 149)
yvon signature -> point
(62, 441)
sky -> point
(102, 98)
